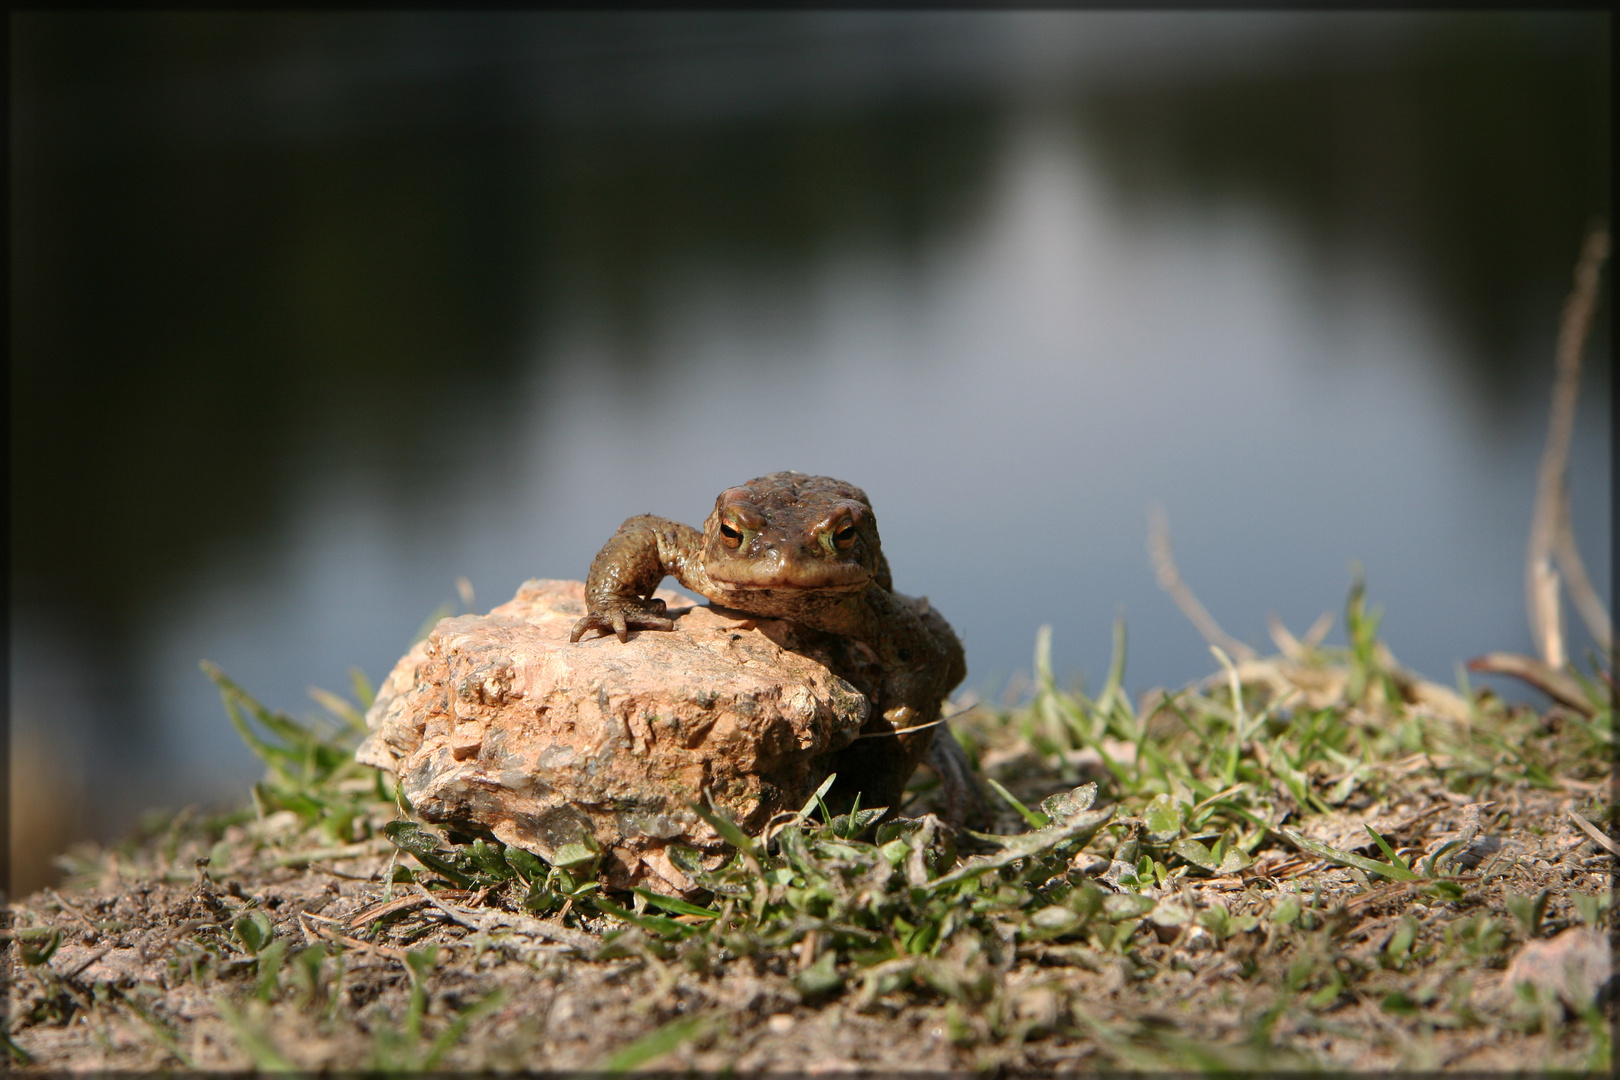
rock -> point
(1575, 965)
(497, 724)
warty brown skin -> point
(806, 549)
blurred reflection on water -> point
(313, 314)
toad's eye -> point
(729, 535)
(845, 536)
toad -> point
(805, 549)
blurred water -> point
(321, 313)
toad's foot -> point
(622, 615)
(965, 803)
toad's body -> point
(805, 549)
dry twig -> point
(1551, 535)
(495, 921)
(1298, 648)
(1595, 833)
(1554, 682)
(1164, 566)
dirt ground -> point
(164, 960)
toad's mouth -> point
(772, 574)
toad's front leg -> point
(921, 656)
(619, 588)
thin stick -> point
(1550, 533)
(1581, 593)
(1318, 631)
(1283, 637)
(494, 921)
(1595, 833)
(1164, 566)
(378, 911)
(70, 909)
(1556, 683)
(916, 727)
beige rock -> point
(497, 723)
(1575, 965)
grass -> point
(1314, 859)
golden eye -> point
(729, 535)
(845, 536)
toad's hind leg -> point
(964, 801)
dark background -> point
(270, 268)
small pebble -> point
(779, 1024)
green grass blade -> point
(363, 693)
(1036, 819)
(1116, 669)
(1394, 871)
(660, 1042)
(673, 904)
(729, 829)
(1389, 852)
(419, 842)
(814, 801)
(657, 924)
(1081, 826)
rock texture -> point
(1575, 966)
(496, 723)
